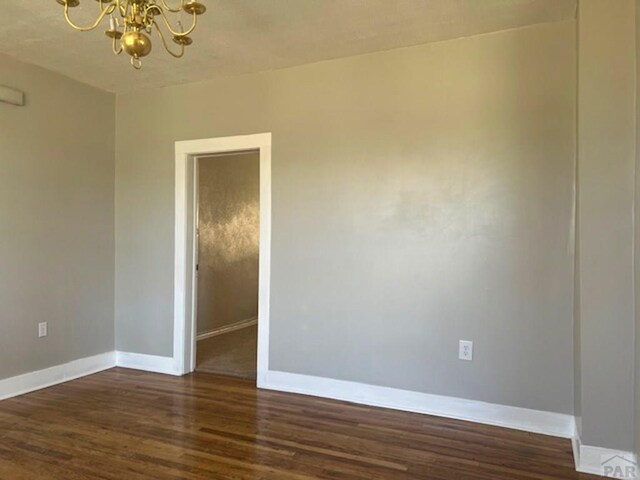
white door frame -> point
(184, 315)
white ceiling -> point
(241, 36)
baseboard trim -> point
(250, 322)
(148, 363)
(30, 382)
(603, 461)
(536, 421)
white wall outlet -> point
(42, 329)
(465, 350)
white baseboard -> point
(148, 363)
(547, 423)
(29, 382)
(604, 461)
(250, 322)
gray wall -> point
(606, 172)
(56, 220)
(637, 237)
(420, 196)
(229, 239)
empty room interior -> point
(319, 239)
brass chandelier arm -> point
(109, 9)
(109, 4)
(166, 45)
(122, 8)
(179, 34)
(152, 9)
(168, 8)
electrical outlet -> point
(465, 350)
(42, 329)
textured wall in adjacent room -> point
(229, 239)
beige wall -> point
(637, 238)
(420, 196)
(229, 238)
(56, 220)
(606, 170)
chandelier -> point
(133, 21)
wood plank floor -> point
(123, 424)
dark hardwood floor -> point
(123, 424)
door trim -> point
(186, 152)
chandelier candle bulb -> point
(138, 16)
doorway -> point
(228, 245)
(186, 245)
